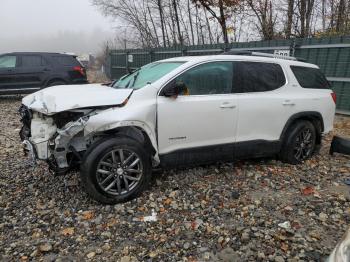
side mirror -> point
(173, 89)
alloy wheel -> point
(304, 144)
(119, 171)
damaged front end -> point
(57, 139)
(54, 121)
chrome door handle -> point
(288, 103)
(227, 105)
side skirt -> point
(224, 153)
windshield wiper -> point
(130, 73)
(134, 79)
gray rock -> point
(228, 255)
(245, 237)
(45, 247)
(279, 259)
(187, 245)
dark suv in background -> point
(22, 73)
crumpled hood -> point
(56, 99)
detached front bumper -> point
(340, 145)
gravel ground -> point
(261, 210)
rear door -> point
(32, 71)
(265, 104)
(200, 124)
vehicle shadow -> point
(162, 174)
(11, 97)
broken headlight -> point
(63, 118)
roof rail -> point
(252, 53)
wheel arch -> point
(55, 79)
(137, 131)
(313, 116)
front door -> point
(199, 125)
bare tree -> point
(323, 15)
(190, 20)
(341, 16)
(155, 23)
(221, 5)
(264, 14)
(305, 10)
(290, 12)
(160, 10)
(177, 21)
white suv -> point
(176, 112)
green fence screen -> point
(331, 54)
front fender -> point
(99, 123)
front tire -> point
(299, 143)
(116, 170)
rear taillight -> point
(334, 96)
(79, 69)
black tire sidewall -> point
(56, 83)
(287, 153)
(90, 162)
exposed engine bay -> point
(57, 139)
(63, 138)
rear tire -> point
(299, 143)
(116, 170)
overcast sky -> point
(52, 25)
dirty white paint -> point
(341, 253)
(55, 99)
(140, 112)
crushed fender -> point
(63, 139)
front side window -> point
(207, 79)
(146, 75)
(310, 77)
(32, 61)
(257, 77)
(8, 61)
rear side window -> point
(66, 60)
(8, 61)
(310, 77)
(32, 61)
(257, 77)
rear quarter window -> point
(66, 60)
(309, 77)
(257, 77)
